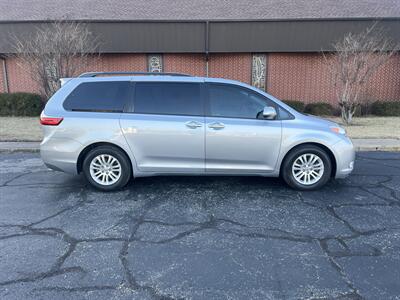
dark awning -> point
(212, 36)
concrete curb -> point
(11, 147)
(359, 144)
(376, 144)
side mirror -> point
(269, 113)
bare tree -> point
(355, 59)
(56, 51)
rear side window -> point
(105, 96)
(168, 98)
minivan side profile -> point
(116, 126)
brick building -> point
(275, 45)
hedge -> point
(20, 104)
(390, 108)
(297, 105)
(319, 109)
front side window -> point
(105, 96)
(170, 98)
(235, 102)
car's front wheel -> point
(107, 168)
(307, 168)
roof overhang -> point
(222, 36)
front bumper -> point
(345, 156)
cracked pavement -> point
(199, 237)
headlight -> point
(338, 130)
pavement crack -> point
(6, 183)
(256, 235)
(199, 221)
(339, 270)
(77, 289)
(56, 268)
(83, 199)
(42, 276)
(332, 212)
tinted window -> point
(235, 102)
(284, 115)
(104, 96)
(168, 98)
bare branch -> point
(355, 59)
(56, 51)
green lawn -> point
(28, 128)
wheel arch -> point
(88, 148)
(316, 144)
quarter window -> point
(109, 96)
(168, 98)
(235, 102)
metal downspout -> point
(5, 74)
(206, 44)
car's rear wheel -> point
(307, 168)
(107, 168)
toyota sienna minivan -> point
(116, 126)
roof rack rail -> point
(94, 74)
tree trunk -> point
(347, 114)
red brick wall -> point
(19, 79)
(298, 77)
(116, 62)
(305, 77)
(235, 66)
(385, 83)
(193, 64)
(289, 76)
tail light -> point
(50, 121)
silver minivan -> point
(116, 126)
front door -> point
(166, 129)
(238, 139)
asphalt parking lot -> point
(199, 237)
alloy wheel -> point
(308, 169)
(105, 169)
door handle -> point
(216, 125)
(193, 124)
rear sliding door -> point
(165, 127)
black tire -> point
(291, 157)
(126, 168)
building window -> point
(259, 71)
(154, 63)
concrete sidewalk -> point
(19, 146)
(360, 145)
(376, 144)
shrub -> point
(390, 108)
(20, 104)
(363, 110)
(319, 109)
(297, 105)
